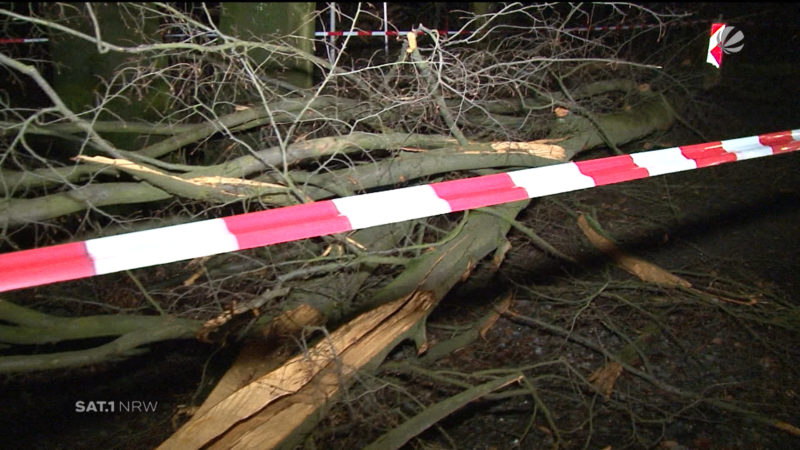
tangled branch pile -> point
(198, 118)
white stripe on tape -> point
(380, 208)
(547, 180)
(160, 245)
(659, 162)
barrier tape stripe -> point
(22, 40)
(99, 256)
(617, 27)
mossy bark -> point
(267, 21)
(82, 70)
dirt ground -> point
(720, 361)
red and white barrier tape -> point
(209, 237)
(617, 27)
(22, 40)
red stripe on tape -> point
(286, 224)
(610, 170)
(364, 33)
(44, 265)
(786, 148)
(707, 154)
(781, 141)
(479, 192)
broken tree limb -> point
(209, 188)
(478, 329)
(125, 346)
(440, 270)
(29, 327)
(653, 113)
(433, 89)
(645, 270)
(304, 308)
(18, 211)
(433, 273)
(263, 354)
(368, 335)
(620, 127)
(436, 272)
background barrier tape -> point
(616, 27)
(75, 260)
(340, 33)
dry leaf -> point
(603, 379)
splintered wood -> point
(235, 187)
(266, 411)
(261, 356)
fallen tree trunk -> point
(434, 273)
(426, 280)
(460, 253)
(444, 155)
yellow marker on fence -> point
(412, 41)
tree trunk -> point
(83, 69)
(268, 21)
